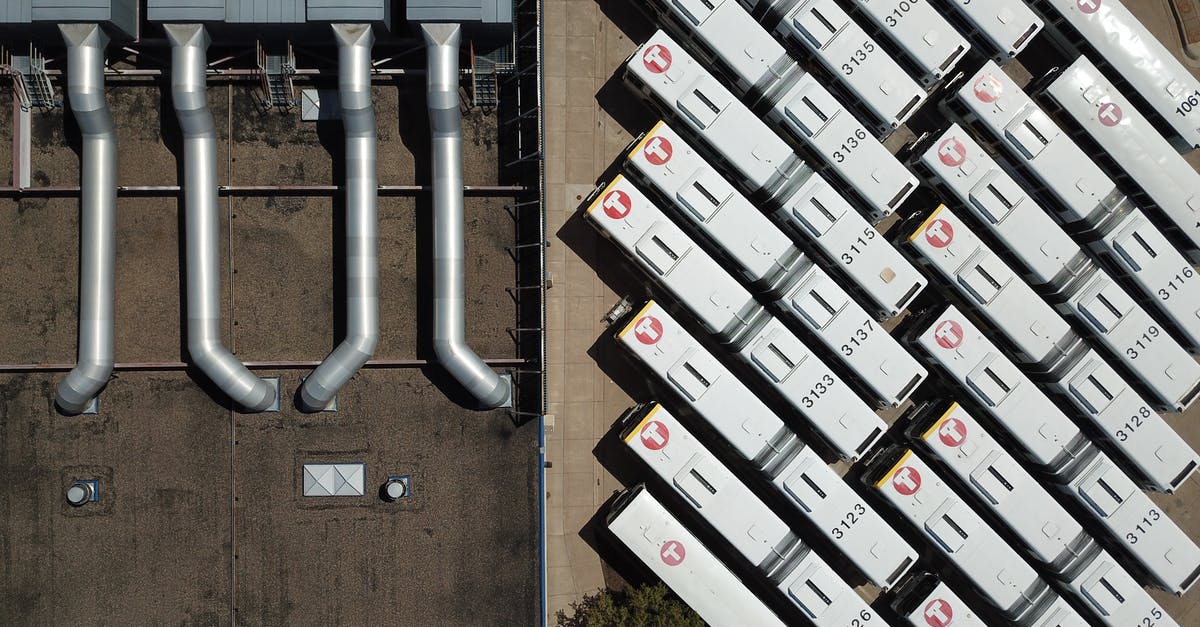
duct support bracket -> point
(22, 145)
(333, 404)
(507, 378)
(278, 402)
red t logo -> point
(617, 204)
(952, 432)
(657, 58)
(939, 233)
(938, 613)
(906, 480)
(952, 152)
(988, 88)
(648, 330)
(949, 334)
(672, 553)
(655, 435)
(1110, 114)
(657, 150)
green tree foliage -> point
(641, 606)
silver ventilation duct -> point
(189, 61)
(449, 323)
(362, 266)
(98, 216)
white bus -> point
(757, 434)
(998, 484)
(1047, 439)
(1084, 197)
(682, 562)
(760, 536)
(1133, 58)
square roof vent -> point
(334, 479)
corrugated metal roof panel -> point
(75, 12)
(186, 10)
(349, 11)
(264, 11)
(120, 14)
(486, 11)
(85, 5)
(15, 11)
(269, 11)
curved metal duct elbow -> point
(189, 61)
(98, 216)
(362, 266)
(449, 322)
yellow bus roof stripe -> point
(638, 429)
(634, 320)
(887, 477)
(650, 133)
(926, 222)
(925, 436)
(602, 194)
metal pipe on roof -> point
(189, 48)
(167, 366)
(362, 265)
(86, 44)
(449, 321)
(45, 191)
